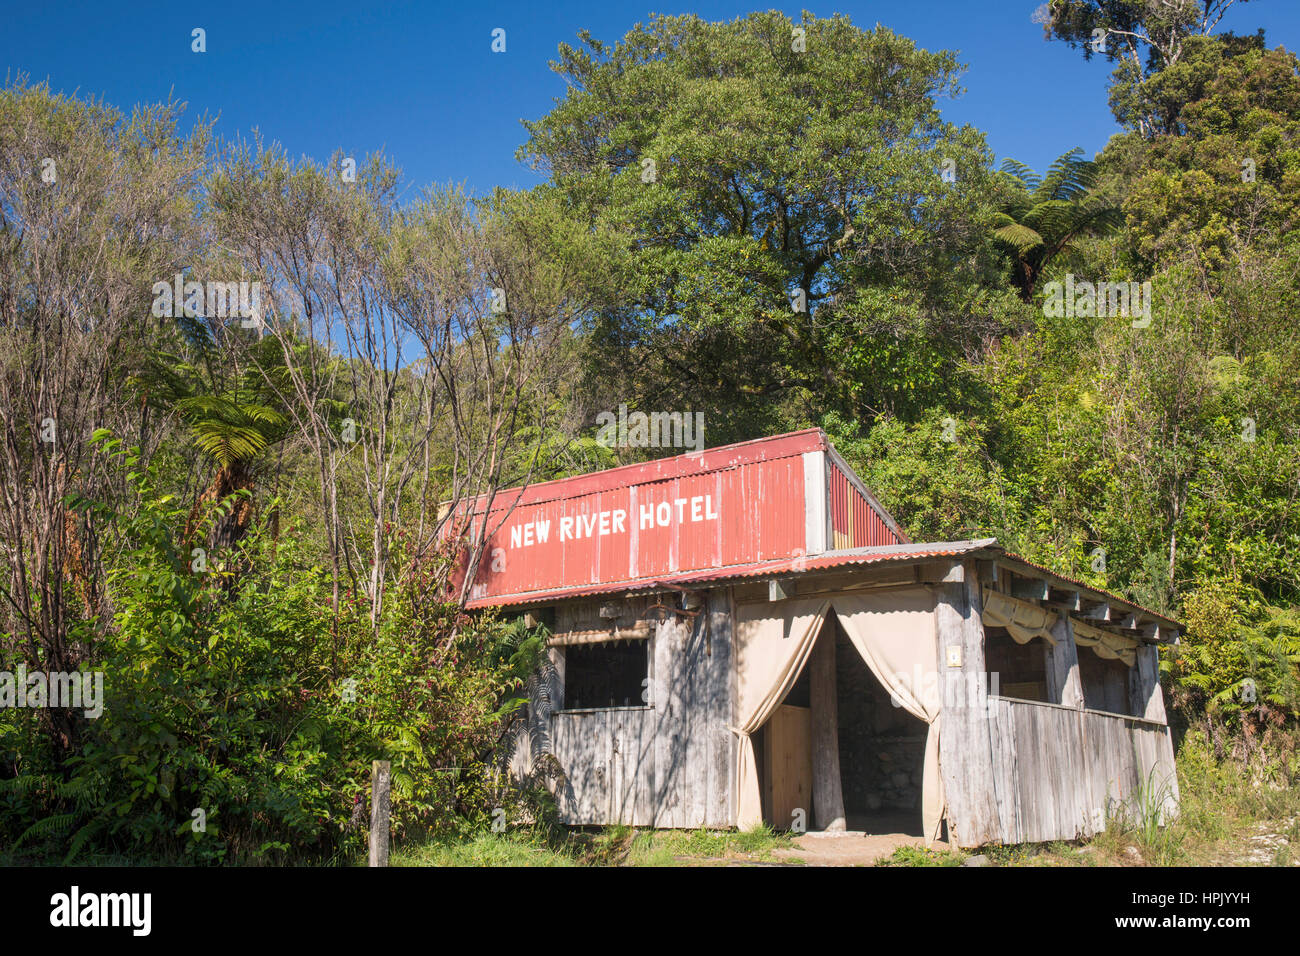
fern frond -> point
(54, 825)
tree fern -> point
(1041, 218)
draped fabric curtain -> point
(893, 630)
(773, 642)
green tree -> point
(1044, 217)
(790, 231)
(1120, 31)
(231, 419)
(1226, 176)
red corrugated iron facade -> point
(781, 497)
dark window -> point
(1021, 668)
(1105, 682)
(544, 616)
(534, 617)
(608, 674)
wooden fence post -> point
(380, 782)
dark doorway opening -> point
(882, 749)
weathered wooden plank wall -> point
(694, 750)
(669, 764)
(1018, 771)
(788, 757)
(1058, 771)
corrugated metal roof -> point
(829, 560)
(691, 463)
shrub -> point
(241, 716)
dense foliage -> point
(236, 722)
(1158, 459)
(242, 521)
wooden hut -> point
(744, 634)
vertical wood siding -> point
(671, 764)
(1058, 772)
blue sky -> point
(419, 80)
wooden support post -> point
(1064, 686)
(1145, 697)
(965, 742)
(380, 782)
(828, 796)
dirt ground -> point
(849, 848)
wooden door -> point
(787, 752)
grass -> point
(703, 847)
(1230, 813)
(486, 849)
(609, 846)
(920, 856)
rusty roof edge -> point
(776, 566)
(822, 563)
(916, 548)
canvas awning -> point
(1105, 644)
(1024, 621)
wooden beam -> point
(1030, 589)
(1126, 621)
(1062, 666)
(1145, 697)
(966, 745)
(827, 794)
(776, 590)
(943, 573)
(380, 784)
(851, 582)
(1065, 598)
(1097, 612)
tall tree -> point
(94, 208)
(798, 215)
(1225, 176)
(1122, 31)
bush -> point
(241, 717)
(1239, 659)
